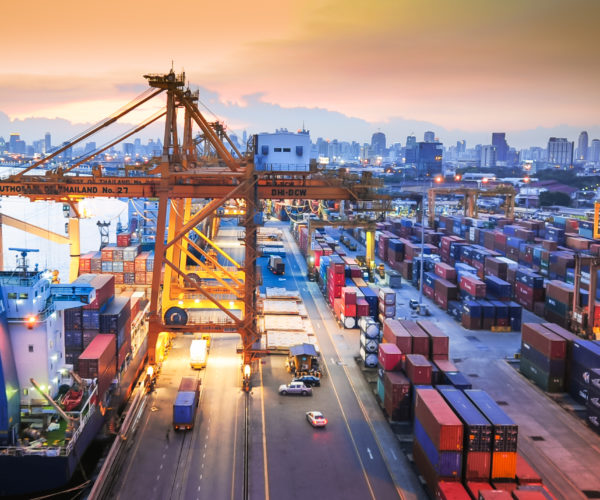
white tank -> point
(348, 321)
(370, 345)
(369, 359)
(369, 326)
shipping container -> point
(418, 369)
(439, 341)
(420, 340)
(525, 473)
(505, 430)
(450, 490)
(390, 357)
(445, 463)
(549, 344)
(439, 421)
(98, 357)
(504, 465)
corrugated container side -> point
(420, 340)
(504, 465)
(449, 490)
(525, 473)
(439, 421)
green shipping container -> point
(542, 379)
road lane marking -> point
(200, 478)
(264, 433)
(157, 477)
(394, 455)
(161, 466)
(164, 455)
(370, 454)
(204, 455)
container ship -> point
(69, 353)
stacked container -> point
(369, 340)
(439, 343)
(438, 443)
(420, 340)
(396, 396)
(387, 303)
(120, 261)
(418, 369)
(143, 266)
(82, 324)
(559, 301)
(336, 278)
(543, 356)
(98, 361)
(593, 400)
(395, 333)
(116, 320)
(477, 444)
(504, 438)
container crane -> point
(218, 173)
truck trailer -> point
(198, 353)
(276, 264)
(186, 403)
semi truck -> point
(198, 353)
(186, 403)
(276, 264)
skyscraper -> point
(560, 152)
(429, 136)
(499, 142)
(410, 151)
(429, 158)
(582, 146)
(47, 142)
(378, 143)
(488, 156)
(595, 151)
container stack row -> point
(107, 314)
(128, 265)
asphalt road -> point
(206, 462)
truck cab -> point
(276, 264)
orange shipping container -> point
(140, 262)
(140, 278)
(504, 465)
(118, 278)
(128, 266)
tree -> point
(548, 198)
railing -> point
(84, 415)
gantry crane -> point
(218, 174)
(471, 195)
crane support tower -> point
(204, 165)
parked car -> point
(295, 388)
(309, 380)
(316, 418)
(413, 304)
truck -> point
(276, 264)
(198, 353)
(186, 403)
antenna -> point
(22, 263)
(103, 228)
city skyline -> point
(472, 67)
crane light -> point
(30, 321)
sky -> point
(349, 67)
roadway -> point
(345, 460)
(162, 463)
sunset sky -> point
(474, 65)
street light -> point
(438, 179)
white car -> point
(295, 388)
(316, 418)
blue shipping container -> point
(445, 463)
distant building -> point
(582, 146)
(461, 146)
(560, 152)
(378, 143)
(594, 154)
(90, 147)
(284, 151)
(499, 142)
(429, 136)
(410, 152)
(429, 158)
(47, 142)
(488, 156)
(16, 145)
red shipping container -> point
(107, 252)
(445, 365)
(420, 340)
(362, 308)
(471, 322)
(123, 351)
(140, 278)
(348, 310)
(477, 465)
(129, 266)
(417, 369)
(473, 286)
(397, 387)
(123, 240)
(440, 300)
(549, 344)
(438, 420)
(395, 333)
(451, 490)
(119, 279)
(507, 486)
(337, 307)
(428, 291)
(525, 473)
(449, 290)
(140, 262)
(440, 342)
(474, 487)
(98, 357)
(349, 295)
(494, 495)
(445, 271)
(104, 284)
(390, 356)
